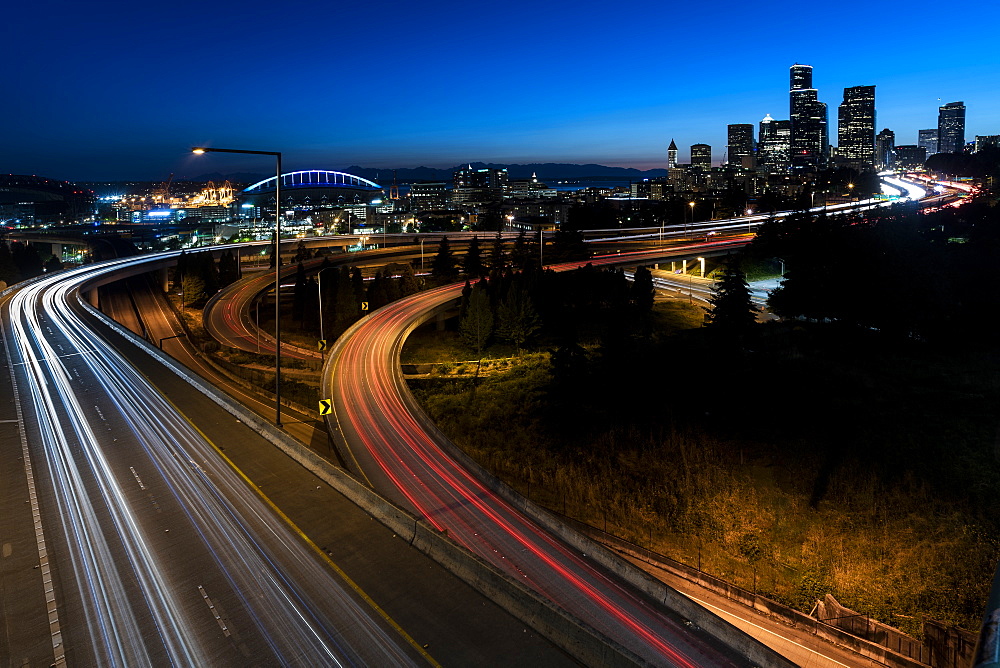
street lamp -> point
(749, 213)
(199, 150)
(421, 255)
(319, 286)
(690, 204)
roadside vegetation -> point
(854, 452)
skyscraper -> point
(774, 150)
(672, 155)
(885, 150)
(856, 127)
(951, 128)
(701, 156)
(810, 136)
(741, 145)
(929, 140)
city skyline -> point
(105, 95)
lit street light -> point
(277, 265)
(690, 204)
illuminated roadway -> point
(152, 549)
(395, 446)
(405, 458)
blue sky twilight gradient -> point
(119, 91)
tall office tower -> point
(478, 186)
(885, 150)
(951, 128)
(856, 127)
(929, 140)
(701, 156)
(741, 145)
(810, 137)
(774, 149)
(672, 155)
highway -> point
(152, 550)
(404, 457)
(390, 441)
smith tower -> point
(856, 127)
(810, 137)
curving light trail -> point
(405, 457)
(172, 558)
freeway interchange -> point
(151, 548)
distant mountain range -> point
(548, 171)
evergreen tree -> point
(208, 271)
(472, 263)
(476, 326)
(346, 304)
(27, 260)
(301, 252)
(53, 264)
(192, 289)
(520, 253)
(443, 265)
(643, 291)
(498, 259)
(8, 272)
(358, 286)
(733, 313)
(229, 269)
(299, 294)
(518, 319)
(408, 282)
(180, 269)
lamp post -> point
(319, 286)
(691, 205)
(277, 265)
(749, 213)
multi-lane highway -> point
(151, 549)
(393, 444)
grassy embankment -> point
(823, 461)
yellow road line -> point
(337, 569)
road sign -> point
(321, 344)
(364, 306)
(325, 406)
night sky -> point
(121, 91)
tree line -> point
(20, 261)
